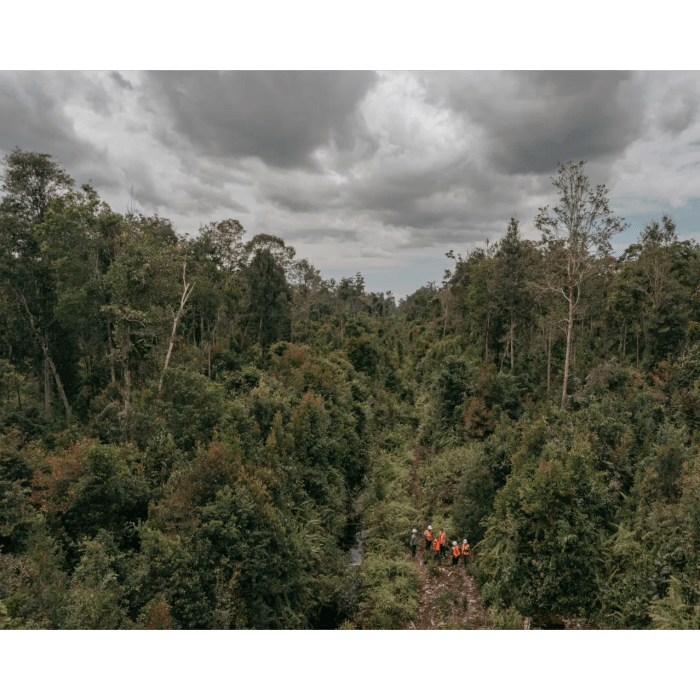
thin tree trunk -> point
(209, 360)
(44, 342)
(186, 291)
(58, 384)
(569, 333)
(512, 351)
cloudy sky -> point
(378, 172)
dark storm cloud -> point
(354, 165)
(280, 117)
(532, 120)
(120, 80)
(33, 117)
(526, 123)
(302, 196)
(319, 234)
(442, 203)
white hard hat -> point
(430, 527)
(454, 543)
(464, 541)
(414, 530)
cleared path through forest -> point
(448, 597)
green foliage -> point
(672, 613)
(502, 618)
(390, 591)
(294, 405)
(93, 601)
(539, 549)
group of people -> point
(438, 544)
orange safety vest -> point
(443, 536)
(455, 551)
(428, 535)
(436, 544)
(465, 549)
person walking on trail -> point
(414, 542)
(465, 553)
(442, 536)
(436, 549)
(455, 553)
(428, 537)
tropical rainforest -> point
(195, 430)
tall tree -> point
(31, 181)
(268, 298)
(511, 271)
(656, 273)
(577, 237)
(475, 286)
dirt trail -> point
(448, 597)
(448, 600)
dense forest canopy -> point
(193, 429)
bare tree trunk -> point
(569, 333)
(47, 389)
(209, 360)
(186, 291)
(58, 384)
(44, 342)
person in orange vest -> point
(465, 552)
(455, 553)
(442, 536)
(436, 548)
(428, 537)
